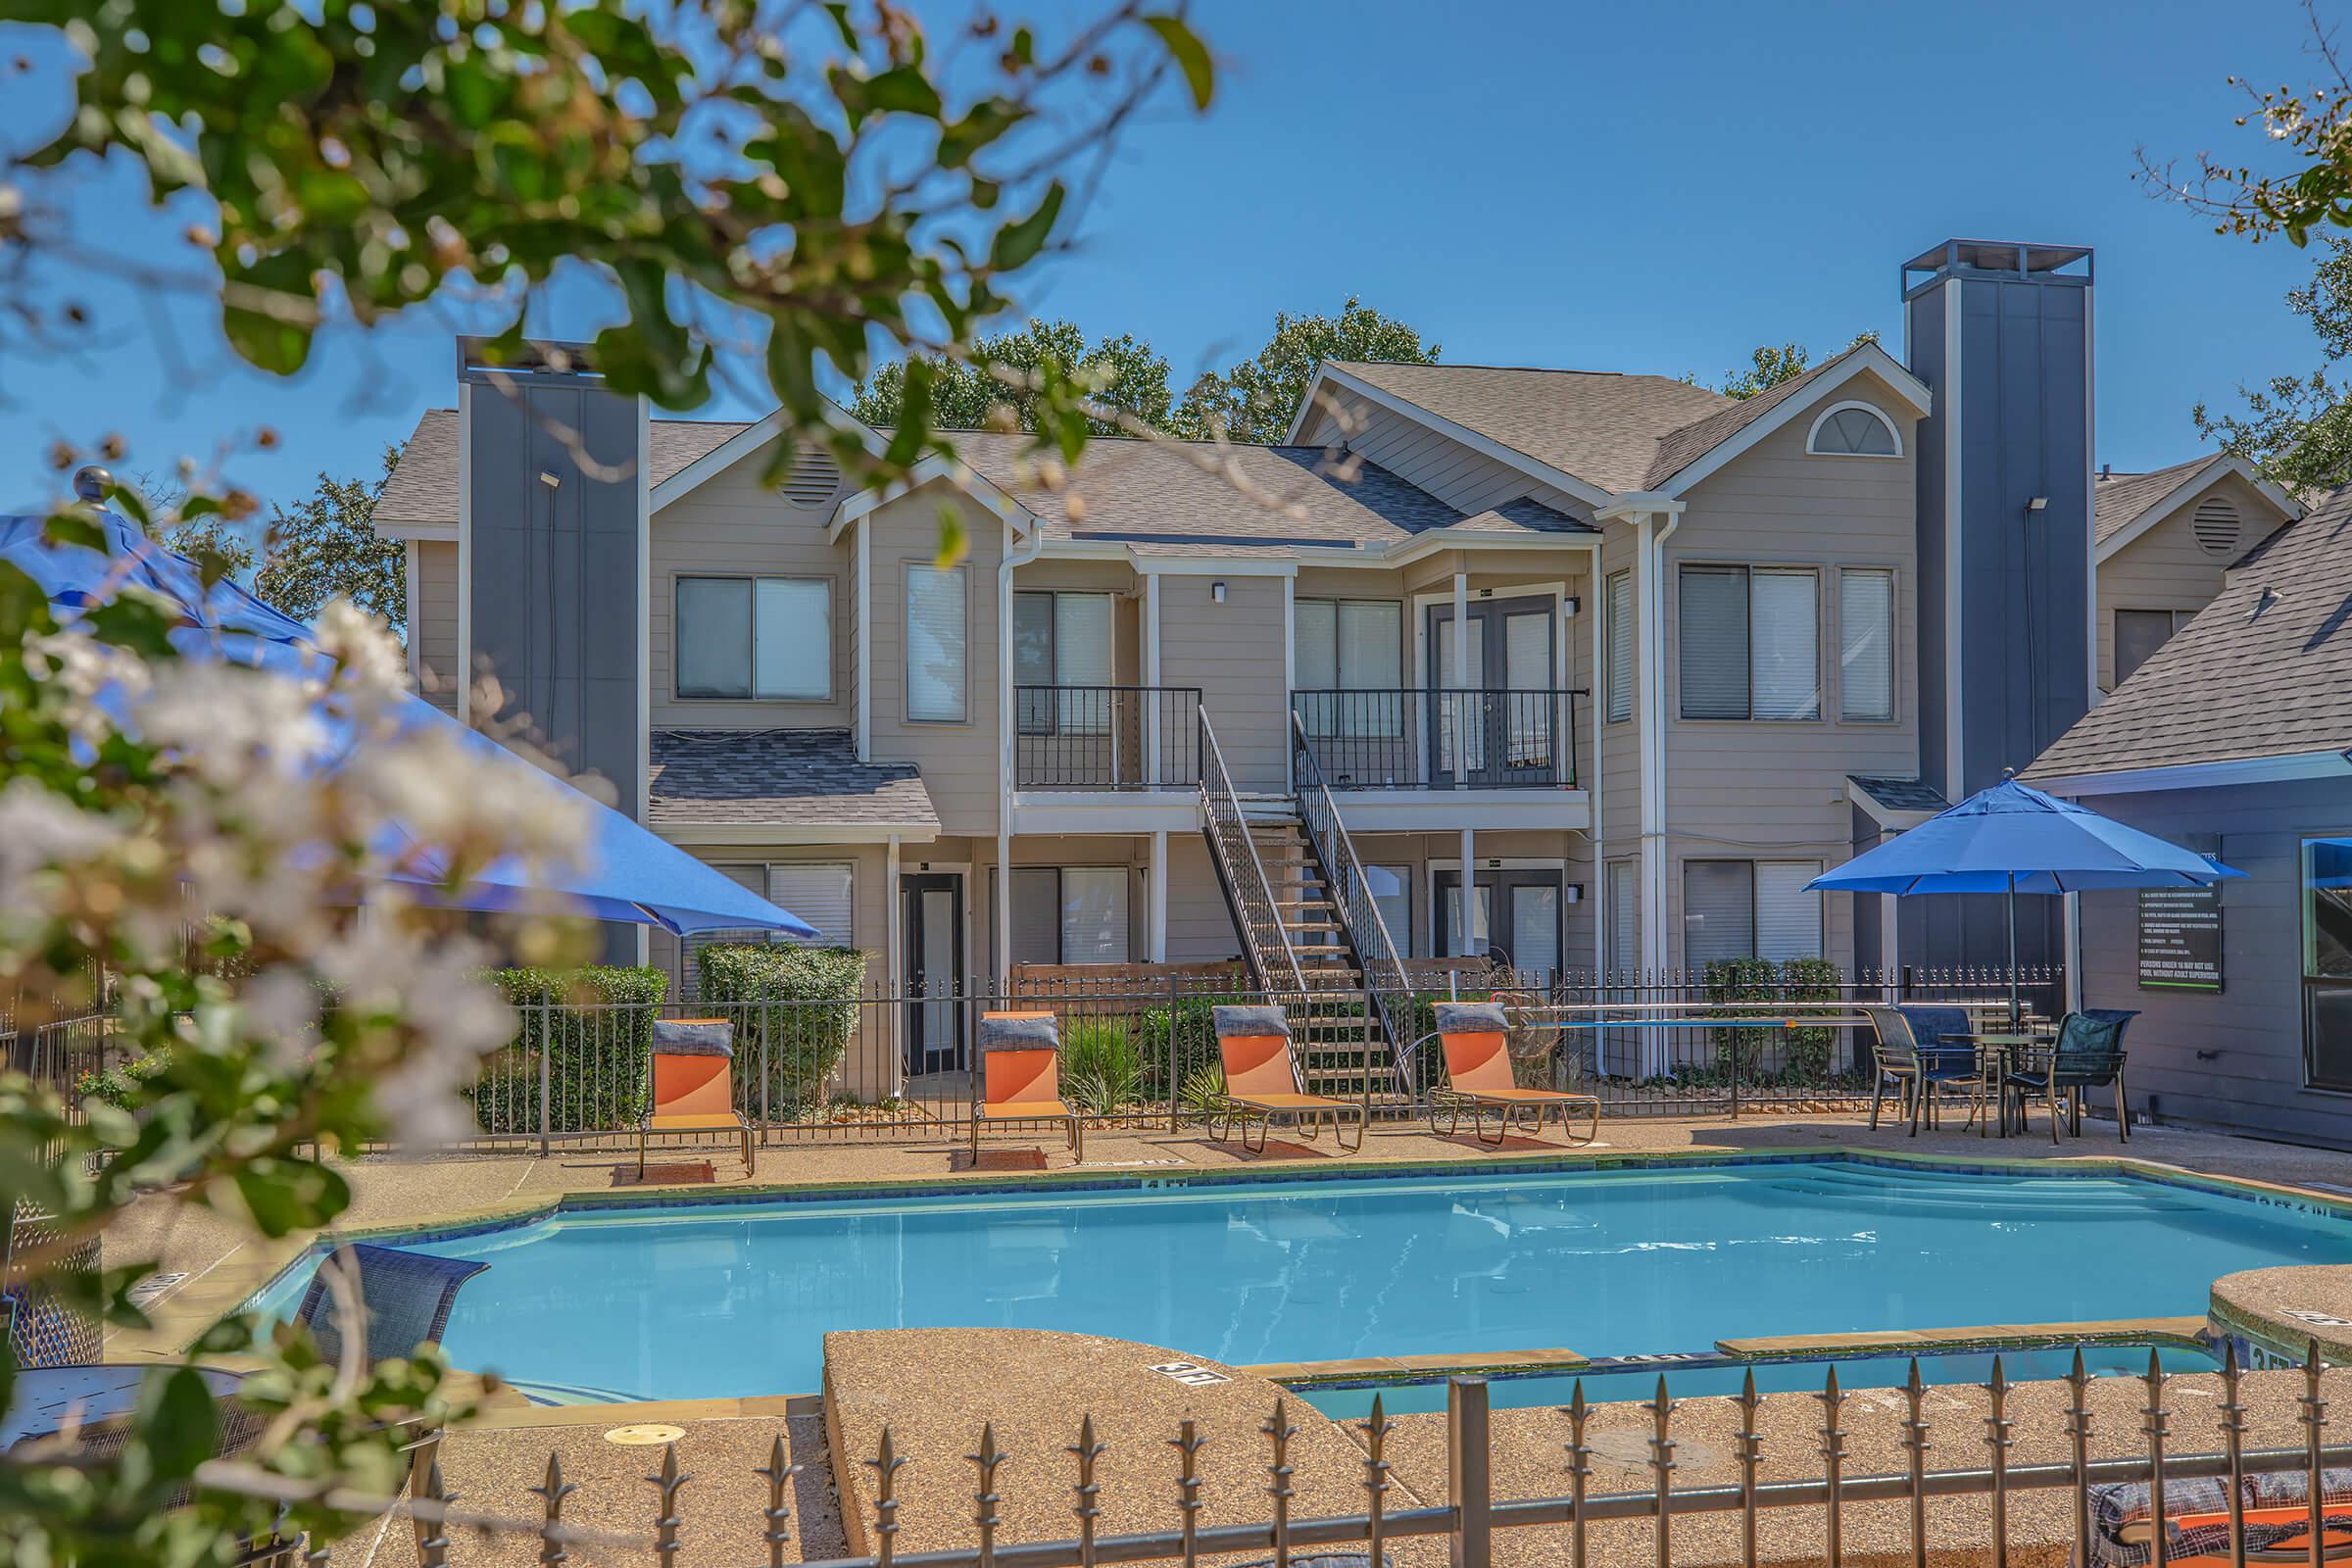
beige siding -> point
(1199, 927)
(436, 628)
(958, 761)
(1453, 472)
(1417, 851)
(1776, 790)
(733, 525)
(2164, 568)
(1617, 809)
(1234, 652)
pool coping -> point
(180, 1318)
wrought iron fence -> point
(1105, 737)
(1140, 1052)
(1432, 738)
(2125, 1492)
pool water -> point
(1691, 1380)
(692, 1301)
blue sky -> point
(1609, 188)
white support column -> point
(1156, 716)
(1290, 676)
(894, 962)
(2073, 951)
(1157, 930)
(1465, 928)
(865, 611)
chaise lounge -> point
(1473, 1039)
(1261, 1082)
(1020, 1077)
(694, 1084)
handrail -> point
(1375, 950)
(1430, 737)
(1105, 737)
(1221, 810)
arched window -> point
(1853, 430)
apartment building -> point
(1634, 660)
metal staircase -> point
(1293, 885)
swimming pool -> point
(704, 1299)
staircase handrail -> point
(1375, 950)
(1221, 809)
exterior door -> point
(931, 910)
(1514, 916)
(1499, 733)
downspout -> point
(1598, 608)
(1466, 924)
(1653, 741)
(1002, 915)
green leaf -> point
(265, 342)
(1017, 243)
(178, 1422)
(1190, 55)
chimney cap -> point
(91, 481)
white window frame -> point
(1374, 720)
(1680, 664)
(1894, 668)
(1813, 435)
(1061, 952)
(2117, 674)
(1821, 942)
(677, 635)
(962, 573)
(1084, 708)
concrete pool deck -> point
(724, 1441)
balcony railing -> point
(1494, 738)
(1106, 737)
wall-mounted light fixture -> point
(2037, 504)
(1571, 604)
(550, 478)
(1217, 591)
(1576, 893)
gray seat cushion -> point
(1250, 1024)
(1471, 1017)
(694, 1037)
(1020, 1034)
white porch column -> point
(1465, 927)
(2072, 950)
(1156, 716)
(894, 962)
(1156, 928)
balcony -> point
(1432, 739)
(1096, 738)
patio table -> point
(2000, 1052)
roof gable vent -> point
(2216, 525)
(813, 478)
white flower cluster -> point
(316, 812)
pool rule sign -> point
(2181, 938)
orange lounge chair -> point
(694, 1084)
(1261, 1082)
(1477, 1078)
(1020, 1076)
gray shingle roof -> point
(1168, 492)
(1603, 428)
(1900, 793)
(2119, 497)
(2264, 670)
(1686, 446)
(423, 486)
(800, 777)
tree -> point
(1769, 367)
(212, 540)
(1257, 398)
(993, 387)
(323, 549)
(2297, 429)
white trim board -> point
(748, 440)
(2220, 774)
(784, 834)
(1867, 358)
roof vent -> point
(2216, 525)
(814, 477)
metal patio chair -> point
(1918, 1071)
(2088, 1054)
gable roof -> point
(2264, 670)
(1602, 427)
(767, 778)
(2125, 506)
(1170, 492)
(423, 484)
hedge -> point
(1804, 1052)
(595, 1028)
(119, 1086)
(795, 1009)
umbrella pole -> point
(2015, 1017)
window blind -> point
(1036, 914)
(1371, 645)
(819, 893)
(1866, 643)
(1535, 928)
(936, 643)
(1315, 628)
(1620, 633)
(1719, 911)
(793, 639)
(1527, 673)
(1784, 642)
(1787, 917)
(714, 637)
(1082, 657)
(1625, 918)
(1094, 914)
(1714, 642)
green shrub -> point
(1202, 1088)
(594, 1027)
(1809, 1050)
(122, 1086)
(794, 1009)
(1179, 1040)
(1804, 1052)
(1101, 1066)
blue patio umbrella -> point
(2013, 839)
(622, 872)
